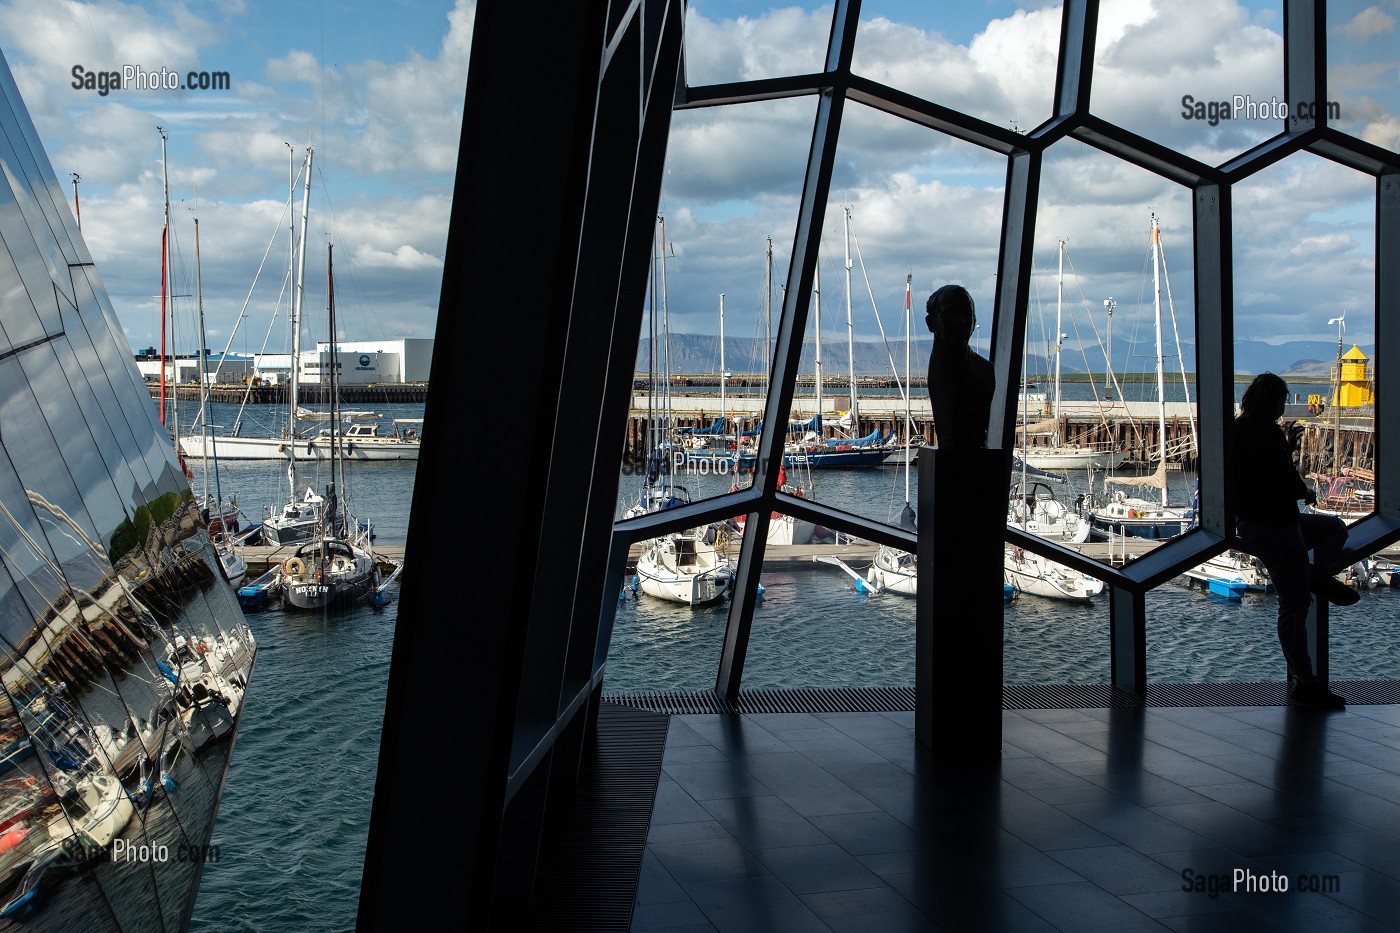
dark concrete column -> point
(1127, 640)
(958, 614)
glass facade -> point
(125, 654)
(560, 536)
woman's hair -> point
(1263, 395)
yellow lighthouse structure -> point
(1353, 382)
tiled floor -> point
(1091, 820)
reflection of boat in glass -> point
(94, 809)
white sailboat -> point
(1033, 508)
(1139, 516)
(896, 569)
(690, 566)
(299, 519)
(1059, 455)
(1040, 576)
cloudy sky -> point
(376, 88)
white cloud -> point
(1372, 21)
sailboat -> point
(896, 569)
(217, 512)
(333, 571)
(1135, 515)
(1058, 455)
(690, 566)
(300, 518)
(1040, 576)
(1033, 508)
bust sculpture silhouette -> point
(960, 383)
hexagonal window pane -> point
(886, 243)
(729, 41)
(1109, 398)
(1305, 309)
(1206, 83)
(704, 348)
(999, 68)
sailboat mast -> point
(723, 373)
(820, 376)
(298, 292)
(667, 426)
(164, 268)
(337, 436)
(1059, 336)
(908, 392)
(203, 366)
(850, 326)
(1161, 380)
(768, 313)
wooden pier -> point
(1114, 553)
(263, 557)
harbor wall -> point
(1132, 427)
(271, 394)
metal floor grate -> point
(1013, 696)
(591, 856)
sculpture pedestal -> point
(958, 641)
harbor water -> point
(295, 811)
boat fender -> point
(294, 567)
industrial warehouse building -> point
(361, 362)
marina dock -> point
(863, 552)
